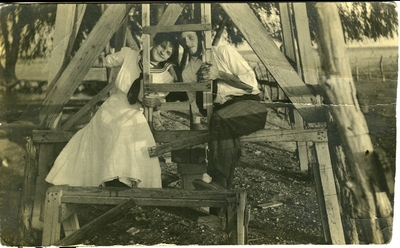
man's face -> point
(190, 41)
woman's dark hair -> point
(161, 37)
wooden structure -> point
(49, 210)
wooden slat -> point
(176, 28)
(155, 151)
(170, 15)
(259, 136)
(71, 121)
(65, 18)
(171, 135)
(287, 31)
(177, 87)
(178, 106)
(306, 52)
(51, 136)
(51, 225)
(168, 193)
(150, 201)
(90, 228)
(80, 64)
(287, 135)
(273, 59)
(328, 189)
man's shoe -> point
(168, 178)
(201, 185)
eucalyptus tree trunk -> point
(365, 181)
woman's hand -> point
(151, 101)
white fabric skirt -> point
(112, 145)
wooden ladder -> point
(191, 159)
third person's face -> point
(190, 41)
(161, 52)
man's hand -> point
(203, 74)
(151, 101)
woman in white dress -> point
(113, 145)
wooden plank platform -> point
(233, 202)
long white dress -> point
(114, 143)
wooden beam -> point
(80, 64)
(274, 60)
(143, 193)
(176, 28)
(51, 136)
(170, 15)
(171, 135)
(176, 87)
(71, 121)
(287, 135)
(155, 151)
(328, 189)
(287, 31)
(259, 136)
(90, 228)
(306, 52)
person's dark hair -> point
(198, 33)
(161, 37)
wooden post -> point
(352, 128)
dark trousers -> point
(239, 116)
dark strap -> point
(133, 93)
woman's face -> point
(190, 40)
(161, 52)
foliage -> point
(28, 24)
(362, 20)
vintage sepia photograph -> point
(190, 123)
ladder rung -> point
(177, 28)
(173, 135)
(177, 106)
(177, 87)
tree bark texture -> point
(371, 202)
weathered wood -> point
(330, 197)
(259, 136)
(172, 135)
(273, 59)
(52, 225)
(170, 15)
(51, 136)
(178, 106)
(90, 228)
(80, 64)
(301, 146)
(353, 131)
(155, 151)
(28, 191)
(205, 9)
(101, 95)
(65, 18)
(240, 218)
(220, 31)
(317, 135)
(177, 28)
(287, 31)
(176, 87)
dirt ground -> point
(269, 172)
